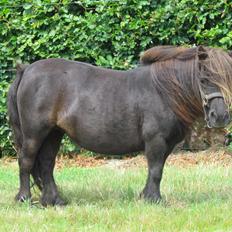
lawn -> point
(197, 198)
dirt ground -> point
(181, 159)
(220, 157)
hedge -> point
(109, 33)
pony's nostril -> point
(213, 114)
(226, 116)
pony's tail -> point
(13, 108)
(15, 122)
(36, 173)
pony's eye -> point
(204, 81)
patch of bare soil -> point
(8, 160)
(181, 159)
(79, 161)
(210, 156)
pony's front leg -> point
(156, 153)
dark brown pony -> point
(115, 112)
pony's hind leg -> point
(26, 159)
(46, 162)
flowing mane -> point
(176, 72)
(164, 53)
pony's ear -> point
(202, 52)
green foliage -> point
(104, 32)
(67, 147)
(5, 133)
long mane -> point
(176, 72)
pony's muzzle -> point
(218, 120)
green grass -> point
(103, 199)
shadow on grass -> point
(98, 195)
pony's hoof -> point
(151, 197)
(22, 197)
(60, 202)
(56, 201)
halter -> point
(206, 98)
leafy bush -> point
(5, 133)
(104, 32)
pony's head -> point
(215, 109)
(215, 72)
(195, 81)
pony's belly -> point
(110, 146)
(113, 150)
(101, 133)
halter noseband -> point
(207, 97)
